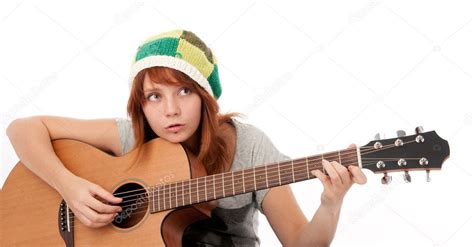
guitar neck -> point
(182, 193)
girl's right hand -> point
(86, 201)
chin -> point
(175, 138)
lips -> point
(174, 128)
(174, 125)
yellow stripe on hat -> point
(195, 57)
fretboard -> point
(216, 186)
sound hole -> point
(134, 205)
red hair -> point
(212, 144)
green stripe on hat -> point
(164, 47)
(215, 83)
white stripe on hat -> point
(170, 62)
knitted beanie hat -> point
(181, 50)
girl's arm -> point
(288, 221)
(31, 138)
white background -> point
(315, 77)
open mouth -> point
(175, 127)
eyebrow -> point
(151, 89)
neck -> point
(216, 186)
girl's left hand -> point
(338, 181)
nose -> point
(172, 107)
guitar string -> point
(177, 187)
(270, 175)
(346, 153)
(173, 206)
(311, 161)
(147, 207)
(329, 156)
(167, 199)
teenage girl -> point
(174, 90)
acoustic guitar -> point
(164, 188)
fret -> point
(254, 182)
(249, 179)
(260, 177)
(214, 185)
(350, 158)
(266, 176)
(322, 157)
(197, 190)
(299, 170)
(158, 197)
(307, 166)
(201, 185)
(223, 185)
(209, 188)
(229, 183)
(243, 180)
(233, 185)
(279, 177)
(169, 186)
(177, 191)
(273, 176)
(339, 153)
(238, 182)
(162, 189)
(153, 198)
(182, 191)
(205, 187)
(189, 189)
(286, 174)
(176, 194)
(293, 171)
(164, 196)
(194, 191)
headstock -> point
(424, 151)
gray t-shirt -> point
(234, 221)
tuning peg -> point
(407, 177)
(377, 136)
(386, 179)
(401, 133)
(428, 178)
(419, 130)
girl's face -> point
(173, 112)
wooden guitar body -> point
(31, 209)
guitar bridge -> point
(66, 223)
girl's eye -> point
(185, 91)
(152, 97)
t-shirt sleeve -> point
(127, 140)
(263, 152)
